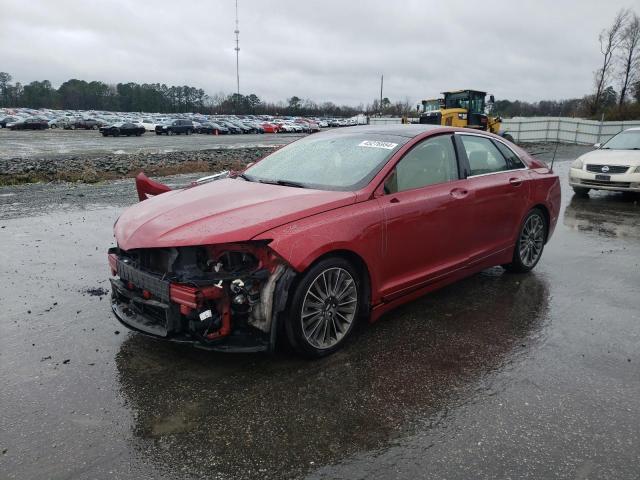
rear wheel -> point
(530, 244)
(583, 192)
(324, 308)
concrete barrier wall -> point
(563, 129)
(550, 129)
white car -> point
(148, 124)
(614, 165)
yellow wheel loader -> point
(463, 108)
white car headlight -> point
(577, 164)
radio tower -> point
(237, 49)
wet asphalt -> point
(56, 143)
(499, 376)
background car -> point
(270, 128)
(8, 120)
(122, 128)
(176, 127)
(82, 123)
(337, 226)
(33, 123)
(148, 124)
(615, 165)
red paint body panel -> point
(148, 188)
(224, 211)
(411, 242)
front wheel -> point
(530, 244)
(324, 308)
(583, 192)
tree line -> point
(77, 94)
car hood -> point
(612, 157)
(223, 211)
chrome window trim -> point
(495, 173)
(502, 142)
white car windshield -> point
(327, 162)
(628, 140)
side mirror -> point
(597, 145)
(492, 99)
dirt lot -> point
(499, 376)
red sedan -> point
(270, 128)
(335, 227)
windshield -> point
(629, 140)
(332, 162)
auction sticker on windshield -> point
(376, 144)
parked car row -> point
(167, 124)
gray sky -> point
(324, 50)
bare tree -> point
(629, 55)
(610, 40)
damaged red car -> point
(328, 230)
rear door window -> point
(513, 160)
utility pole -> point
(381, 84)
(237, 49)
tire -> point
(158, 133)
(583, 192)
(309, 325)
(53, 125)
(508, 138)
(72, 127)
(188, 132)
(95, 127)
(530, 244)
(170, 132)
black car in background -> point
(33, 123)
(212, 129)
(176, 127)
(122, 128)
(5, 120)
(230, 126)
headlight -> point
(577, 164)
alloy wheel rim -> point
(329, 308)
(531, 240)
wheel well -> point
(547, 218)
(360, 265)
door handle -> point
(394, 200)
(516, 182)
(459, 192)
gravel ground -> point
(498, 376)
(86, 156)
